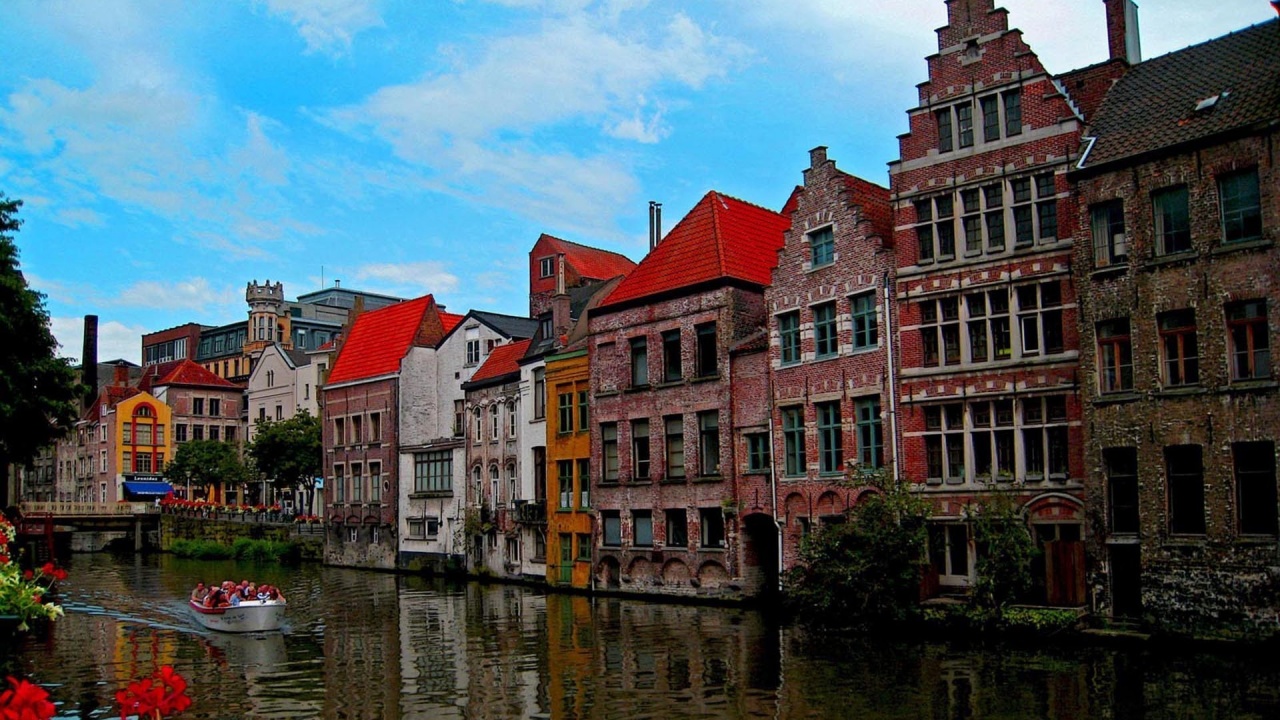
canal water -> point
(373, 645)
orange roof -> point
(591, 263)
(181, 372)
(380, 339)
(110, 396)
(721, 238)
(502, 361)
(449, 320)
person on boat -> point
(200, 593)
(213, 598)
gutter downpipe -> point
(773, 485)
(893, 380)
(1085, 155)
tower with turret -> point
(266, 316)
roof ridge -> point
(716, 234)
(586, 247)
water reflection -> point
(370, 645)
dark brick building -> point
(664, 462)
(830, 379)
(987, 330)
(1179, 285)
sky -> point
(167, 153)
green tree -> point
(864, 571)
(1005, 551)
(207, 463)
(39, 392)
(289, 453)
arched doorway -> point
(760, 556)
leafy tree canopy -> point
(288, 451)
(207, 462)
(39, 394)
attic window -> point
(1210, 102)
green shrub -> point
(242, 549)
(201, 550)
(1005, 552)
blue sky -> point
(167, 153)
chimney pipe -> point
(89, 360)
(1122, 31)
(560, 286)
(657, 223)
(651, 242)
(120, 376)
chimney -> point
(1122, 31)
(560, 308)
(120, 376)
(655, 224)
(817, 156)
(337, 283)
(89, 360)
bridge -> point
(41, 520)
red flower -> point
(27, 574)
(164, 693)
(25, 701)
(4, 559)
(59, 574)
(47, 568)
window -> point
(642, 528)
(964, 122)
(584, 547)
(640, 450)
(1239, 203)
(639, 362)
(1040, 318)
(789, 337)
(1044, 437)
(793, 441)
(943, 119)
(677, 528)
(758, 452)
(477, 484)
(473, 351)
(197, 406)
(1110, 245)
(357, 429)
(1173, 224)
(826, 341)
(375, 482)
(539, 394)
(1023, 227)
(262, 414)
(706, 350)
(339, 484)
(357, 482)
(339, 432)
(1122, 489)
(479, 423)
(546, 267)
(988, 325)
(540, 475)
(1046, 207)
(709, 443)
(949, 551)
(944, 443)
(865, 329)
(940, 331)
(1012, 112)
(609, 451)
(822, 247)
(279, 412)
(1180, 362)
(584, 411)
(142, 462)
(945, 229)
(924, 230)
(127, 461)
(126, 433)
(459, 418)
(830, 445)
(711, 528)
(228, 433)
(674, 426)
(1115, 356)
(213, 432)
(197, 432)
(611, 528)
(102, 461)
(990, 118)
(1250, 340)
(215, 407)
(671, 356)
(584, 482)
(565, 414)
(993, 198)
(1255, 466)
(870, 437)
(1186, 489)
(433, 471)
(564, 483)
(417, 528)
(142, 433)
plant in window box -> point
(23, 593)
(729, 507)
(1004, 476)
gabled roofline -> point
(662, 295)
(476, 315)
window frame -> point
(1179, 348)
(1255, 488)
(709, 443)
(864, 315)
(1245, 211)
(639, 355)
(789, 348)
(1171, 220)
(793, 453)
(706, 350)
(609, 452)
(870, 432)
(1247, 324)
(673, 448)
(1105, 218)
(826, 331)
(822, 246)
(641, 446)
(1115, 339)
(830, 437)
(1184, 482)
(672, 370)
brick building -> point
(557, 266)
(987, 330)
(361, 430)
(828, 355)
(1179, 277)
(203, 407)
(663, 458)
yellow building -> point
(141, 428)
(569, 517)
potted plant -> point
(22, 593)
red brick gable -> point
(182, 372)
(721, 238)
(380, 338)
(502, 361)
(582, 263)
(874, 201)
(110, 396)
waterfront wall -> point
(225, 532)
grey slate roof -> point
(512, 326)
(1153, 106)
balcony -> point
(528, 512)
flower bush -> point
(22, 593)
(25, 701)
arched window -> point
(493, 421)
(511, 419)
(479, 426)
(512, 485)
(143, 411)
(494, 495)
(477, 482)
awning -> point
(150, 489)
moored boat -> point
(248, 616)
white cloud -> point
(417, 277)
(115, 339)
(191, 294)
(75, 217)
(328, 26)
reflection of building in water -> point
(504, 662)
(433, 650)
(361, 645)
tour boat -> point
(248, 616)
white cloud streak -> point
(328, 26)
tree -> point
(39, 392)
(289, 452)
(866, 570)
(1005, 552)
(209, 463)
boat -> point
(248, 616)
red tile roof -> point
(721, 238)
(502, 361)
(110, 396)
(450, 321)
(181, 372)
(380, 339)
(591, 263)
